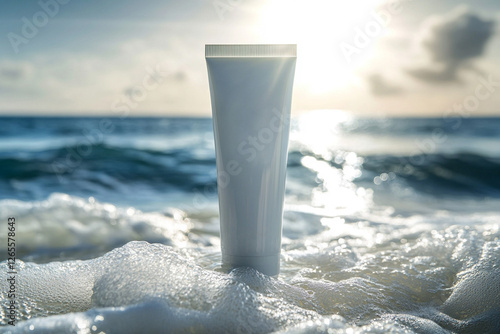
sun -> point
(317, 27)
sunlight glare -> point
(317, 26)
(320, 131)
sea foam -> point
(152, 288)
(371, 273)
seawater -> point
(391, 226)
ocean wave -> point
(103, 168)
(442, 281)
(66, 227)
(108, 170)
(461, 174)
(449, 126)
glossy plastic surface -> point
(251, 101)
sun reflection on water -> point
(317, 135)
(319, 131)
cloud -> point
(180, 76)
(13, 72)
(379, 86)
(451, 41)
(152, 81)
(147, 78)
(436, 74)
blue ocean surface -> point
(391, 225)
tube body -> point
(251, 91)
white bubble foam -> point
(379, 274)
(139, 279)
(64, 222)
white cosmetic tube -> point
(251, 91)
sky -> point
(368, 57)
